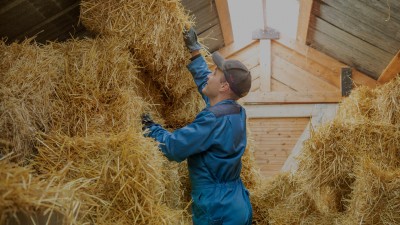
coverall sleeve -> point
(199, 70)
(191, 139)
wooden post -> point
(265, 65)
(304, 20)
(225, 20)
(391, 70)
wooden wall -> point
(274, 139)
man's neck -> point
(218, 99)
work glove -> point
(190, 38)
(147, 121)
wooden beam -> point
(391, 70)
(292, 97)
(304, 20)
(225, 20)
(265, 65)
(283, 110)
(234, 47)
(346, 83)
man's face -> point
(215, 81)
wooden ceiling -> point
(51, 20)
(364, 34)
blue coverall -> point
(213, 145)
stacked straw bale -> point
(348, 170)
(28, 80)
(24, 192)
(70, 124)
(153, 32)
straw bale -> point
(28, 79)
(379, 105)
(388, 102)
(293, 210)
(268, 194)
(359, 106)
(153, 29)
(375, 194)
(179, 112)
(23, 192)
(126, 173)
(98, 91)
(329, 156)
(250, 174)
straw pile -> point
(153, 31)
(71, 119)
(348, 170)
(28, 75)
(23, 191)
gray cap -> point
(236, 74)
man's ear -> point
(225, 87)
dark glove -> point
(147, 121)
(190, 38)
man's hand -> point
(147, 121)
(191, 41)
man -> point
(215, 142)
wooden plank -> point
(360, 10)
(326, 113)
(271, 152)
(313, 67)
(233, 48)
(391, 70)
(356, 26)
(265, 65)
(304, 19)
(390, 9)
(347, 48)
(225, 20)
(297, 78)
(255, 85)
(292, 97)
(278, 111)
(278, 86)
(310, 53)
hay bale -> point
(268, 194)
(29, 74)
(388, 102)
(126, 174)
(98, 92)
(152, 29)
(24, 193)
(375, 194)
(358, 106)
(331, 152)
(182, 111)
(250, 174)
(378, 105)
